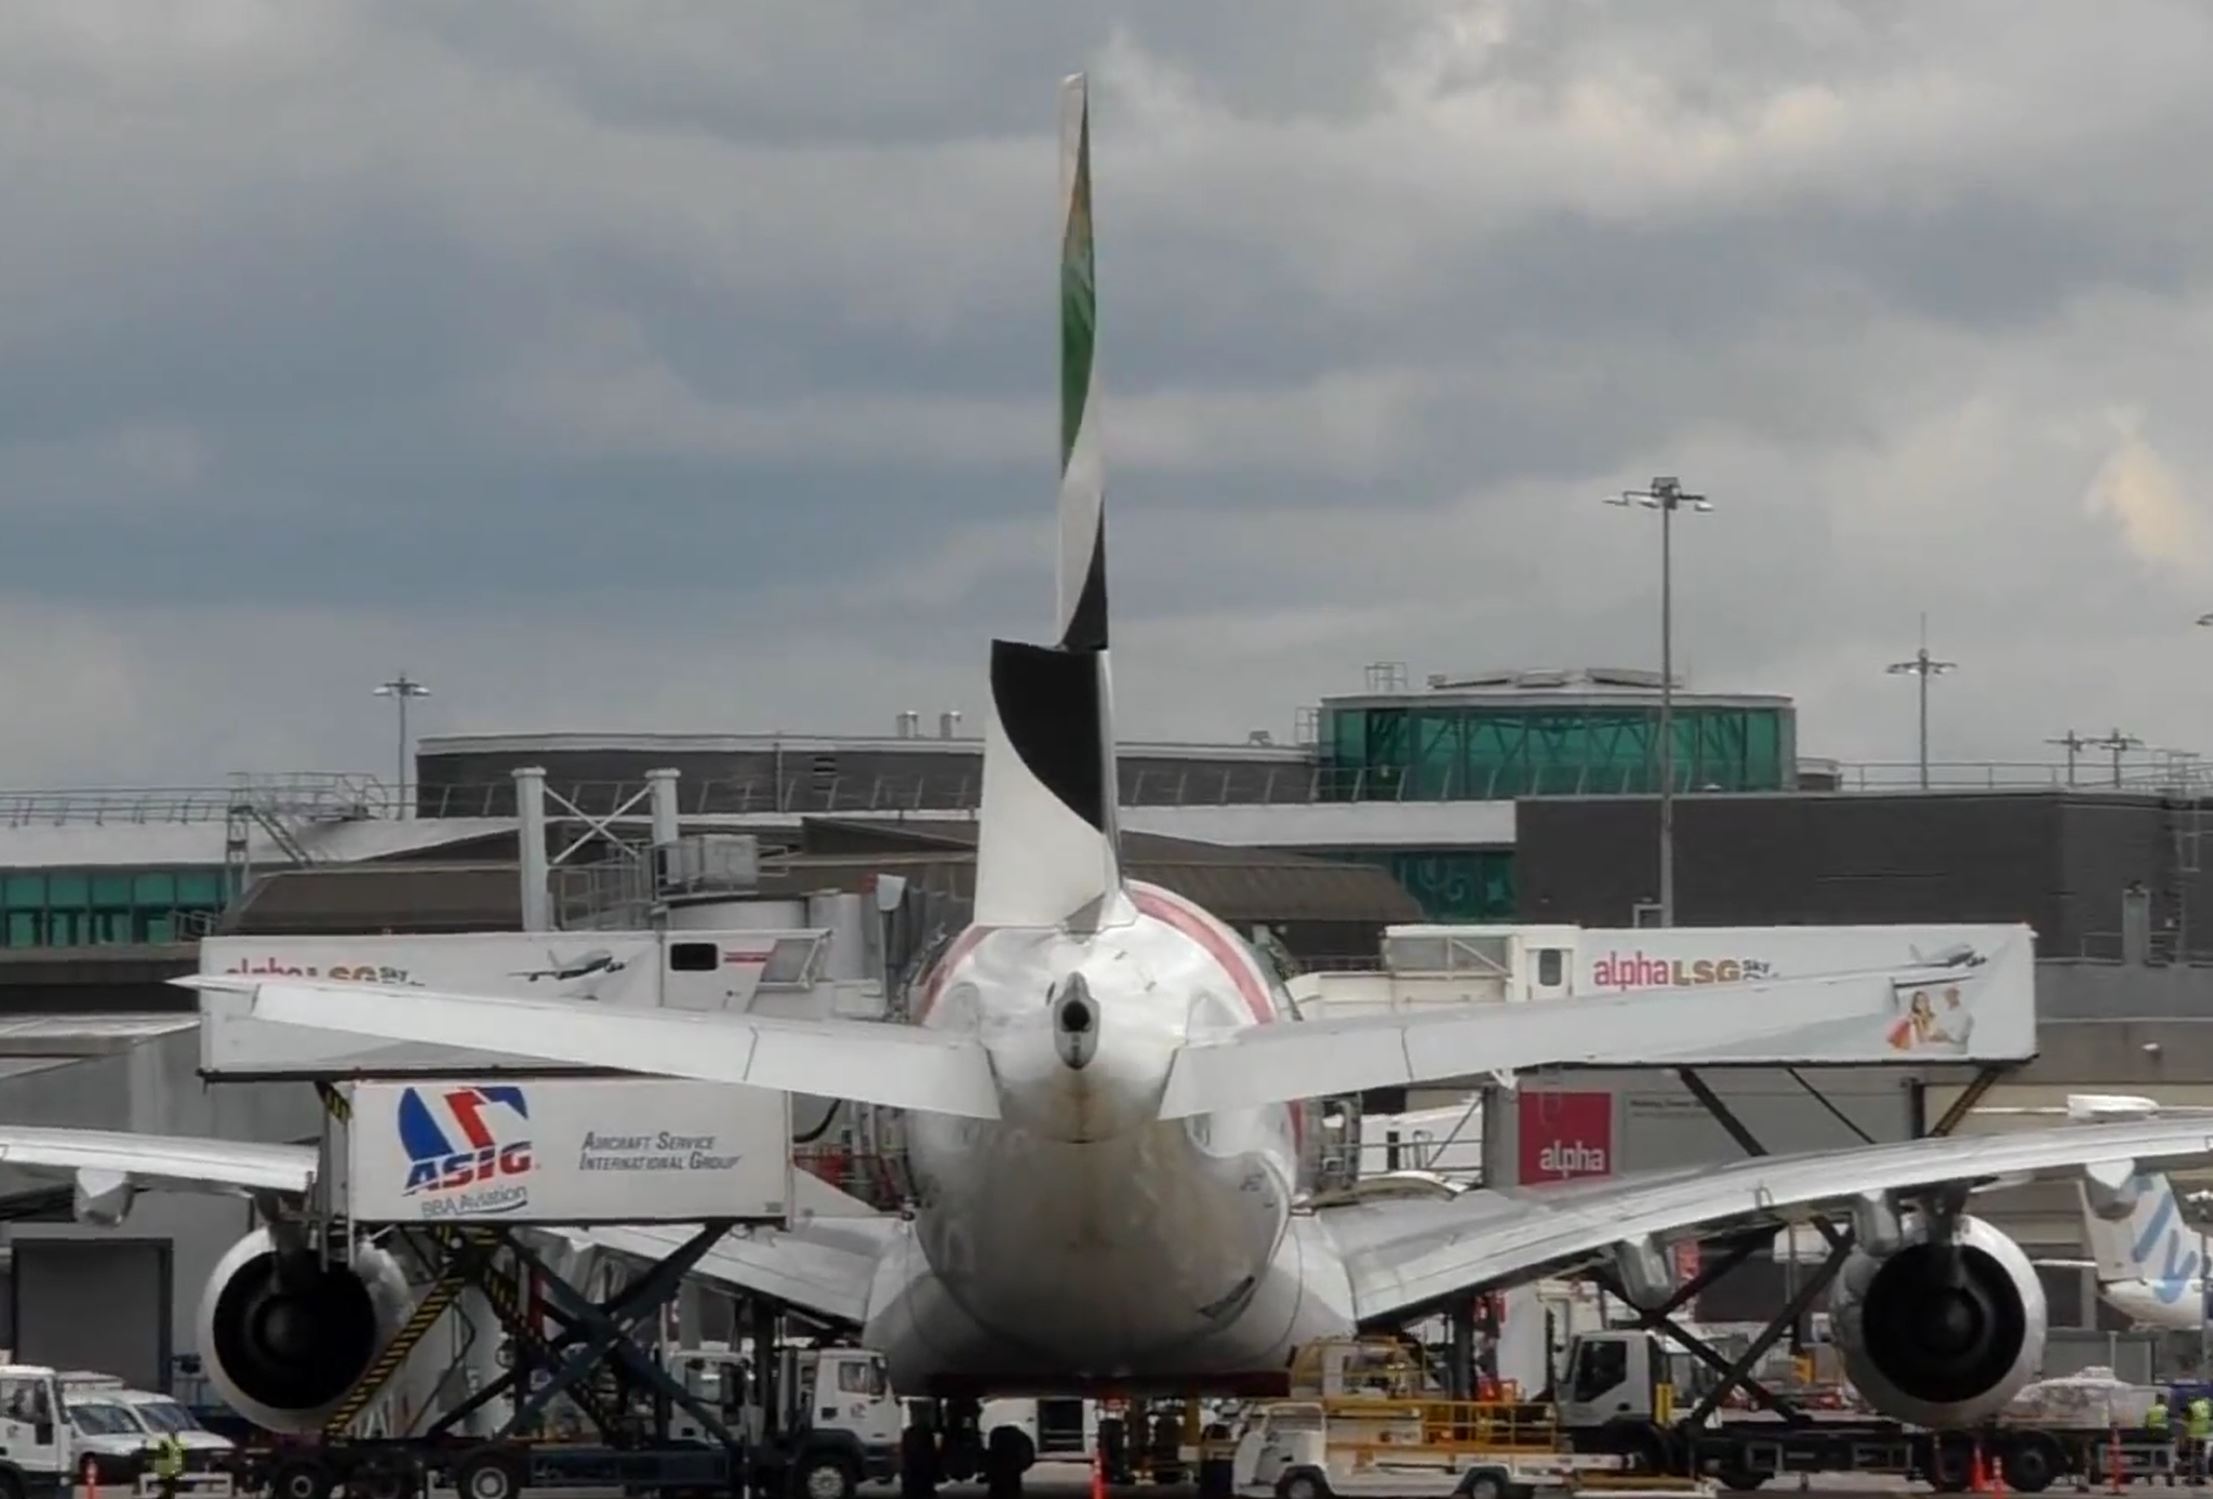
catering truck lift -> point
(471, 1177)
(1620, 1392)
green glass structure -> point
(105, 907)
(1452, 884)
(1450, 747)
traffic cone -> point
(91, 1477)
(1098, 1473)
(1980, 1481)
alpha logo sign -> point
(340, 972)
(468, 1149)
(1641, 970)
(1566, 1136)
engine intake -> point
(1941, 1334)
(283, 1337)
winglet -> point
(1047, 843)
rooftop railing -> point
(327, 797)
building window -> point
(1456, 752)
(107, 907)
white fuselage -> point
(1078, 1241)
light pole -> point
(399, 690)
(2075, 744)
(1666, 496)
(2120, 744)
(1924, 666)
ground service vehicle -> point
(44, 1449)
(1617, 1396)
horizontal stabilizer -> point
(897, 1066)
(1280, 1063)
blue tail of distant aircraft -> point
(2139, 1233)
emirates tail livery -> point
(1104, 1092)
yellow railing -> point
(1442, 1425)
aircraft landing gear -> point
(1007, 1456)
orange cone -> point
(1980, 1483)
(1098, 1472)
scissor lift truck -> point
(1617, 1397)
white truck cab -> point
(46, 1443)
(837, 1422)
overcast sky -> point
(690, 366)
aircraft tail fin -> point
(1047, 845)
(2136, 1231)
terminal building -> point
(1515, 796)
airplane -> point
(1106, 1097)
(598, 960)
(2149, 1256)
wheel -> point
(1740, 1480)
(1302, 1483)
(488, 1473)
(823, 1475)
(2031, 1466)
(378, 1479)
(1485, 1486)
(299, 1478)
(1010, 1447)
(1951, 1467)
(11, 1482)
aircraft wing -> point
(824, 1266)
(1279, 1063)
(171, 1162)
(898, 1066)
(1407, 1256)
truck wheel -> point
(1009, 1447)
(11, 1483)
(1951, 1467)
(1302, 1483)
(822, 1475)
(378, 1479)
(2031, 1466)
(488, 1473)
(1484, 1485)
(1740, 1480)
(299, 1479)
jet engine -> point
(283, 1337)
(1940, 1332)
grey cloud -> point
(708, 354)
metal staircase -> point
(434, 1305)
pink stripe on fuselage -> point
(1221, 944)
(962, 946)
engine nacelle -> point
(283, 1338)
(1940, 1335)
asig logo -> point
(468, 1149)
(1572, 1158)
